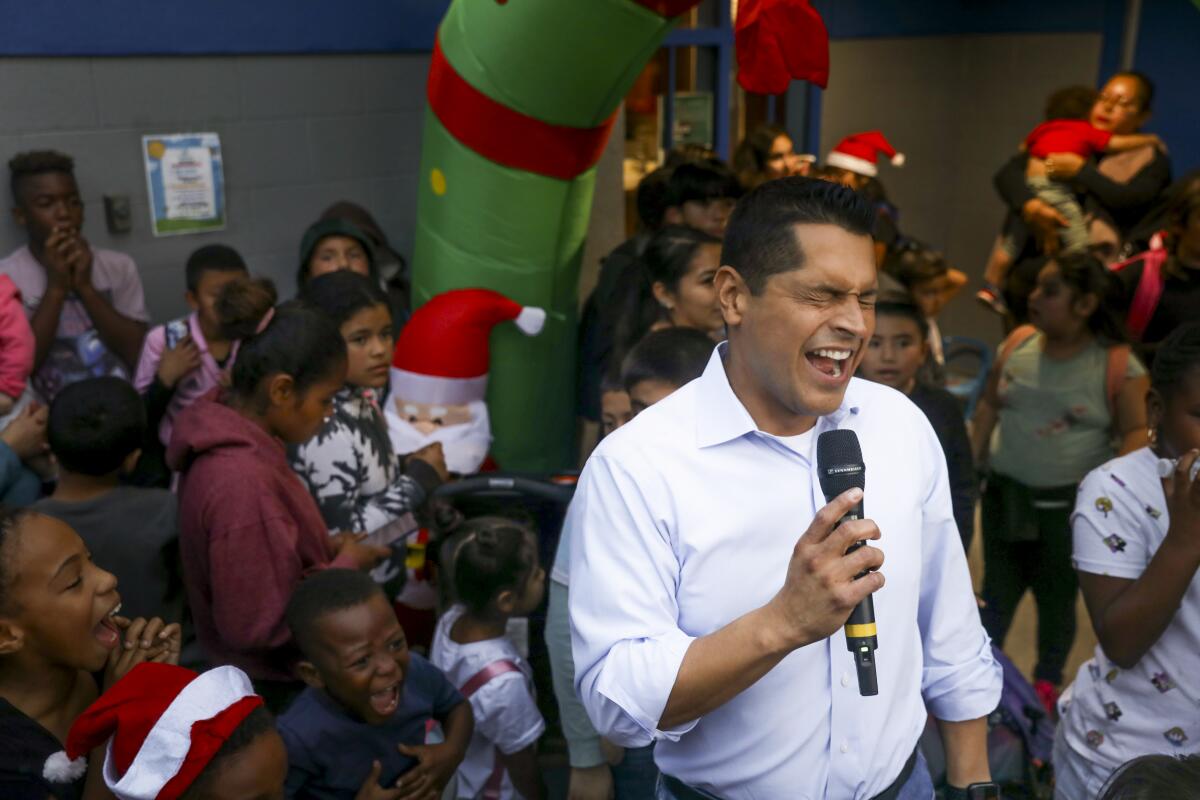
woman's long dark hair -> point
(666, 259)
(750, 158)
(1085, 274)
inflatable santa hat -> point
(859, 151)
(163, 725)
(442, 354)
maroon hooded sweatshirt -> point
(248, 531)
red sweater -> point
(1066, 136)
(248, 532)
(16, 341)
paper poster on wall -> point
(185, 182)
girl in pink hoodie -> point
(249, 530)
(16, 346)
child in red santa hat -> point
(59, 625)
(171, 734)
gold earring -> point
(1152, 435)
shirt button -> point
(845, 679)
(845, 748)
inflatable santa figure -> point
(440, 371)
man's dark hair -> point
(1146, 87)
(323, 593)
(23, 166)
(673, 355)
(906, 309)
(702, 182)
(761, 241)
(95, 424)
(212, 258)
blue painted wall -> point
(1168, 50)
(173, 27)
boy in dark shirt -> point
(362, 721)
(894, 356)
(96, 430)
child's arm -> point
(524, 772)
(1131, 141)
(1131, 615)
(1130, 418)
(983, 422)
(16, 342)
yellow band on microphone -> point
(860, 631)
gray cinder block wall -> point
(297, 132)
(958, 107)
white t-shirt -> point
(506, 714)
(1111, 715)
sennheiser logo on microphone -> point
(844, 469)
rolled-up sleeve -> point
(960, 679)
(626, 639)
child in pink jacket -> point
(16, 347)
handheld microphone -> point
(840, 468)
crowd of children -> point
(223, 492)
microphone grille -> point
(840, 462)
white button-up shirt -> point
(685, 519)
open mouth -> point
(385, 702)
(106, 631)
(830, 361)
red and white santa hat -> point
(442, 353)
(858, 152)
(163, 724)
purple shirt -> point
(77, 352)
(192, 386)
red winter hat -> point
(163, 724)
(858, 152)
(442, 353)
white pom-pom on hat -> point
(61, 769)
(898, 160)
(531, 320)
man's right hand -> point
(821, 589)
(1045, 221)
(178, 361)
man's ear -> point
(673, 216)
(732, 294)
(308, 672)
(192, 301)
(12, 637)
(281, 390)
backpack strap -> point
(1150, 286)
(1016, 338)
(1114, 376)
(495, 782)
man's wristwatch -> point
(976, 791)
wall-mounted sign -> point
(185, 183)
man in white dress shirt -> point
(709, 587)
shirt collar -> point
(722, 417)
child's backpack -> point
(1150, 286)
